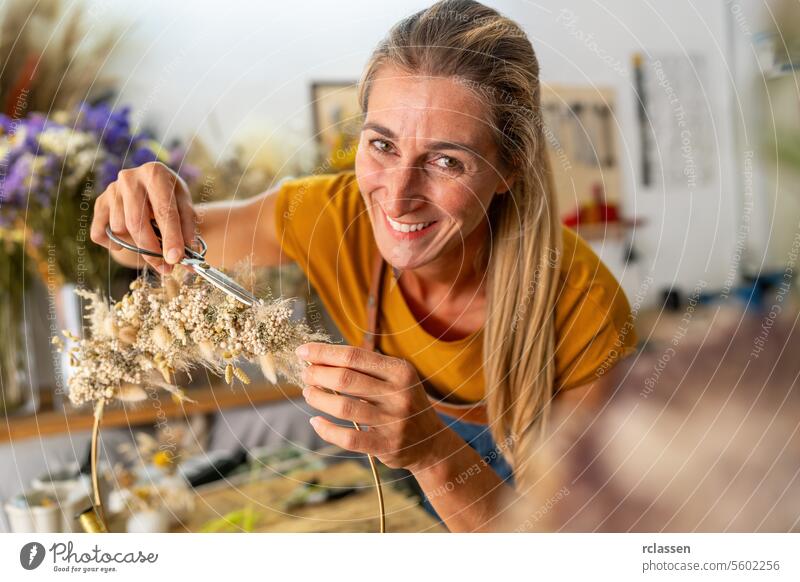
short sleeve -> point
(321, 224)
(594, 325)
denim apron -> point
(469, 421)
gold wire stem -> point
(97, 501)
(379, 490)
(375, 477)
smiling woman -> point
(491, 310)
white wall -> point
(218, 68)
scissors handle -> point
(190, 252)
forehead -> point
(439, 107)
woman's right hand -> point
(139, 195)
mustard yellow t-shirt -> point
(323, 225)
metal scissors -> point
(196, 262)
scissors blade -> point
(222, 282)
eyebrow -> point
(434, 145)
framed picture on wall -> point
(581, 133)
(337, 122)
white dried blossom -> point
(157, 330)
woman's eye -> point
(447, 163)
(382, 146)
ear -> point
(506, 184)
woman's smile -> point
(406, 231)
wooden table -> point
(267, 494)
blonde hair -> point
(491, 55)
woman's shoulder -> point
(582, 270)
(319, 191)
(593, 321)
(323, 208)
(322, 181)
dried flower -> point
(155, 331)
(239, 373)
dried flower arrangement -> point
(154, 331)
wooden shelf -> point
(52, 422)
(607, 230)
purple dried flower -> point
(6, 123)
(142, 155)
(108, 171)
(15, 186)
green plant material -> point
(238, 520)
(788, 146)
(14, 278)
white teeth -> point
(403, 227)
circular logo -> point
(31, 555)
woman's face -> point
(427, 167)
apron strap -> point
(374, 303)
(472, 413)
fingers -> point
(344, 380)
(160, 187)
(188, 220)
(347, 438)
(344, 407)
(116, 218)
(137, 220)
(361, 360)
(100, 220)
(129, 203)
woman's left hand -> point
(376, 391)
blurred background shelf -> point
(52, 421)
(602, 231)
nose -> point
(403, 190)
